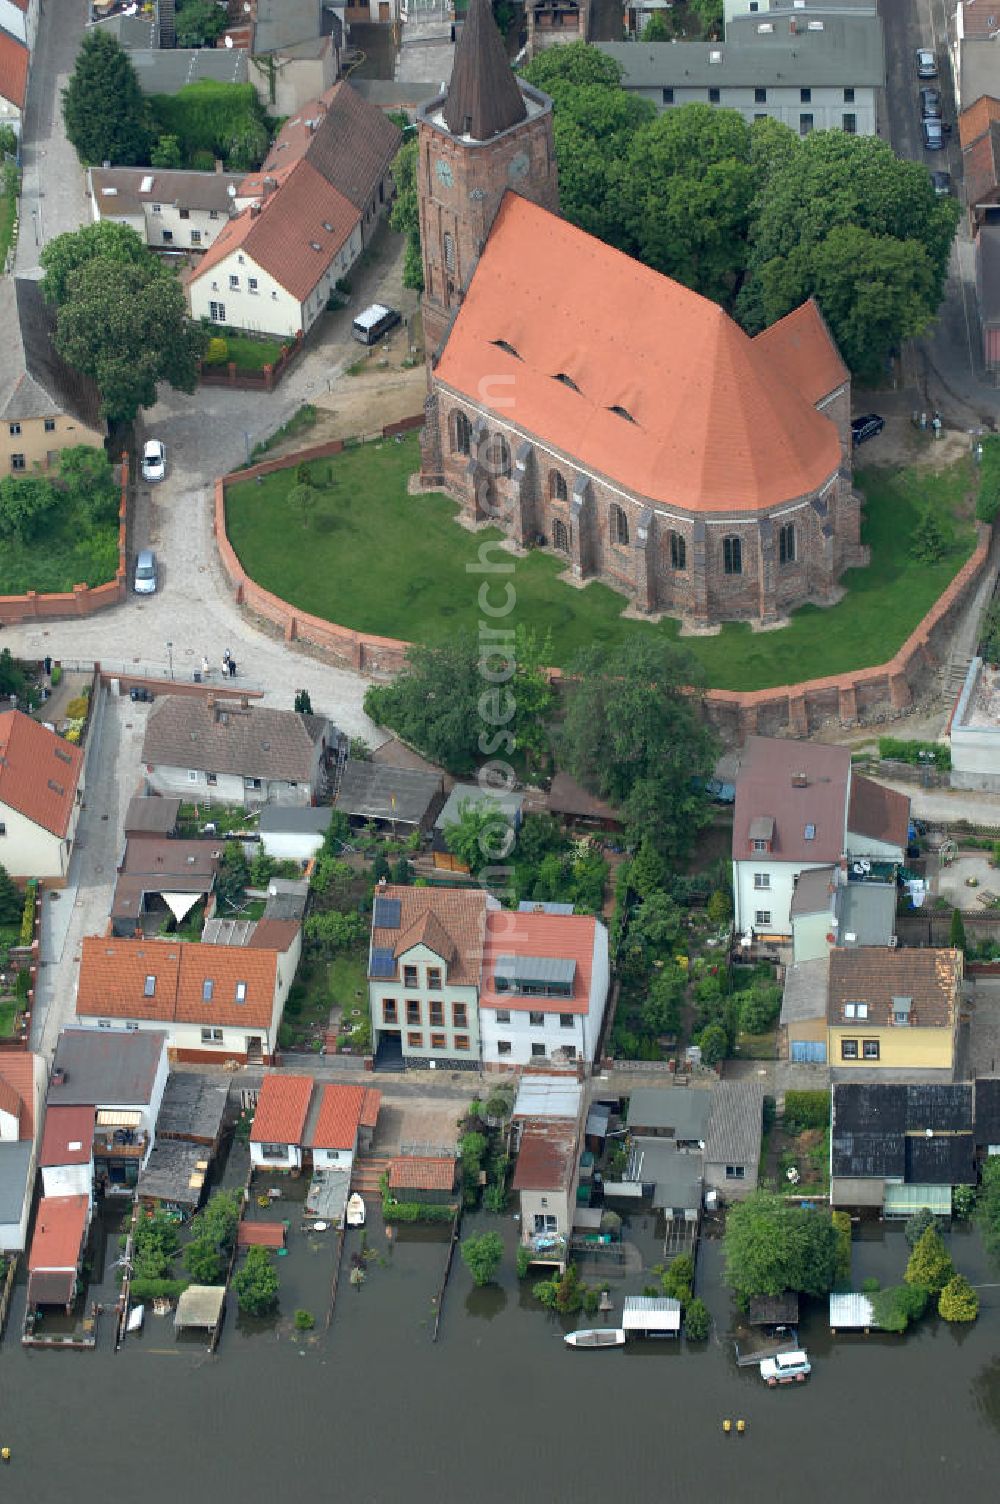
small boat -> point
(596, 1336)
(356, 1211)
(135, 1317)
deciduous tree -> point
(482, 1255)
(256, 1283)
(772, 1246)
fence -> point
(264, 380)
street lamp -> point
(246, 439)
(170, 658)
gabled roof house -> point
(40, 795)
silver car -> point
(144, 582)
(926, 63)
(154, 460)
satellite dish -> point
(231, 190)
(229, 41)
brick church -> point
(593, 407)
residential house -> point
(22, 1085)
(41, 791)
(290, 832)
(402, 800)
(173, 1178)
(547, 1122)
(506, 804)
(575, 805)
(544, 989)
(973, 46)
(798, 807)
(427, 1178)
(45, 406)
(893, 1009)
(897, 1148)
(732, 1140)
(19, 19)
(424, 969)
(305, 218)
(977, 119)
(970, 741)
(664, 1175)
(161, 879)
(56, 1254)
(173, 210)
(775, 8)
(981, 170)
(121, 1078)
(15, 59)
(193, 1110)
(810, 72)
(987, 1116)
(296, 50)
(226, 752)
(152, 817)
(215, 1003)
(67, 1155)
(677, 1113)
(299, 1121)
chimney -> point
(799, 781)
(218, 164)
(59, 1077)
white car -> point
(144, 582)
(785, 1368)
(154, 460)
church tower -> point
(489, 131)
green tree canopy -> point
(929, 1264)
(405, 215)
(104, 110)
(256, 1283)
(772, 1246)
(104, 241)
(632, 733)
(126, 325)
(11, 900)
(482, 1255)
(988, 1208)
(482, 835)
(958, 1301)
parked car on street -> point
(865, 428)
(933, 133)
(144, 582)
(930, 104)
(942, 183)
(154, 460)
(926, 63)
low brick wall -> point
(877, 694)
(264, 380)
(82, 600)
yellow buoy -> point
(5, 1453)
(741, 1426)
(727, 1426)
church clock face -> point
(518, 169)
(443, 172)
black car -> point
(863, 429)
(933, 134)
(930, 104)
(926, 63)
(942, 183)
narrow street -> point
(53, 185)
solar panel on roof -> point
(387, 913)
(383, 963)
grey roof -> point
(946, 1109)
(941, 1159)
(851, 1310)
(193, 1107)
(350, 142)
(170, 1170)
(395, 93)
(868, 912)
(15, 1162)
(282, 23)
(548, 1097)
(813, 891)
(483, 97)
(988, 258)
(881, 1130)
(869, 1107)
(774, 1310)
(675, 1174)
(228, 931)
(131, 32)
(200, 1306)
(848, 51)
(367, 791)
(550, 969)
(120, 190)
(734, 1125)
(533, 906)
(169, 71)
(253, 741)
(979, 68)
(509, 802)
(988, 1110)
(295, 819)
(685, 1109)
(35, 381)
(868, 1155)
(151, 816)
(106, 1067)
(804, 997)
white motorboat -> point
(596, 1336)
(356, 1211)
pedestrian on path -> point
(232, 668)
(204, 667)
(225, 664)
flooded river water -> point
(498, 1409)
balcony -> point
(120, 1143)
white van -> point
(785, 1368)
(376, 320)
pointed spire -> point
(483, 97)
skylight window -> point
(149, 989)
(241, 992)
(506, 346)
(810, 832)
(566, 381)
(622, 412)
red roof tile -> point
(802, 348)
(370, 1108)
(261, 1235)
(710, 424)
(113, 975)
(460, 918)
(17, 1070)
(274, 934)
(39, 771)
(282, 1108)
(767, 788)
(60, 1226)
(545, 1160)
(883, 814)
(976, 120)
(68, 1138)
(564, 937)
(981, 166)
(339, 1117)
(412, 1173)
(13, 69)
(980, 18)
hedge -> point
(154, 1289)
(988, 500)
(416, 1211)
(807, 1109)
(894, 750)
(842, 1223)
(28, 912)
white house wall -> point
(777, 899)
(290, 1158)
(29, 850)
(827, 106)
(291, 845)
(227, 788)
(268, 307)
(333, 1159)
(69, 1180)
(868, 846)
(186, 1037)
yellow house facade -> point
(893, 1009)
(45, 406)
